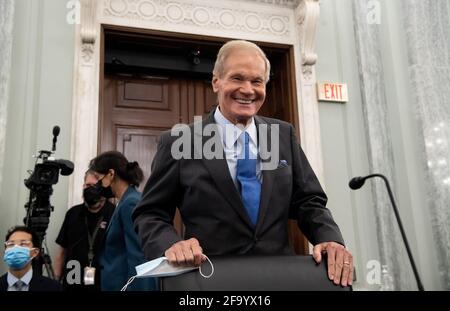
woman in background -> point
(121, 252)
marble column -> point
(379, 145)
(6, 27)
(427, 27)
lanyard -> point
(91, 238)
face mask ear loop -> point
(128, 283)
(124, 288)
(37, 248)
(212, 269)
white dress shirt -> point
(232, 145)
(26, 279)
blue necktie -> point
(249, 185)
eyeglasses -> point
(23, 243)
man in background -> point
(21, 247)
(81, 238)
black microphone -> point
(56, 130)
(356, 183)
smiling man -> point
(232, 204)
(239, 80)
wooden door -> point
(136, 110)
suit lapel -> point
(116, 210)
(4, 283)
(218, 169)
(267, 176)
(34, 283)
(111, 220)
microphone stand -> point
(405, 241)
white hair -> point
(233, 45)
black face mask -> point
(92, 195)
(104, 191)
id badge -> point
(89, 276)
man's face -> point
(241, 90)
(90, 180)
(23, 239)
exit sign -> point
(332, 92)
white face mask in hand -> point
(160, 267)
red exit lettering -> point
(333, 91)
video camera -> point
(44, 176)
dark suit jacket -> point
(37, 284)
(211, 207)
(122, 252)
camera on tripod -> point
(44, 176)
(40, 183)
(47, 172)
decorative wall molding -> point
(211, 14)
(287, 3)
(88, 20)
(307, 16)
(87, 53)
(85, 96)
(88, 30)
(259, 20)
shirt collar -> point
(230, 132)
(26, 278)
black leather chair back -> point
(262, 273)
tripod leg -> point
(49, 267)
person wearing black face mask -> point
(122, 251)
(105, 192)
(81, 238)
